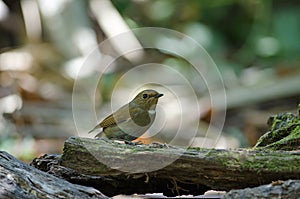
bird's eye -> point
(145, 96)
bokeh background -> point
(43, 44)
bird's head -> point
(147, 99)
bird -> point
(131, 120)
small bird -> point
(131, 120)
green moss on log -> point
(284, 133)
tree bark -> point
(117, 168)
(19, 180)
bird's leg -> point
(133, 143)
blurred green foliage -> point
(239, 32)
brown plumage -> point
(132, 119)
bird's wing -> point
(119, 116)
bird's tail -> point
(95, 128)
(99, 135)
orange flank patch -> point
(147, 140)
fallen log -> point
(193, 171)
(116, 168)
(19, 180)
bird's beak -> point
(158, 95)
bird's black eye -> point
(145, 96)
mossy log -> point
(284, 133)
(19, 180)
(116, 168)
(97, 163)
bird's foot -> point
(134, 143)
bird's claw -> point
(134, 143)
